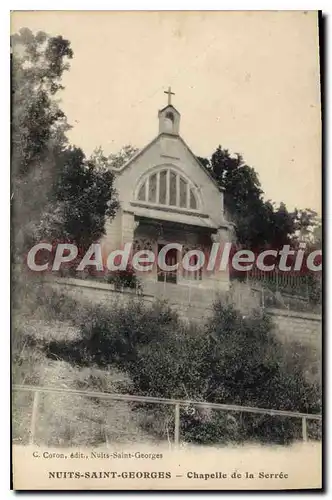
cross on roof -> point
(169, 93)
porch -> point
(181, 284)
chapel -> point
(167, 196)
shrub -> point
(125, 279)
(115, 334)
(233, 358)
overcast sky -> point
(246, 80)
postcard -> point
(166, 245)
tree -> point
(38, 128)
(308, 228)
(282, 226)
(57, 192)
(38, 123)
(83, 199)
(258, 223)
(116, 160)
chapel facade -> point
(167, 196)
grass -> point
(41, 315)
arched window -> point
(170, 116)
(169, 122)
(168, 187)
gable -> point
(170, 148)
(194, 191)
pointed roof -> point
(142, 151)
(168, 106)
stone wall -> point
(103, 293)
(299, 327)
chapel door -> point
(171, 259)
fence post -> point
(277, 279)
(177, 425)
(34, 417)
(304, 429)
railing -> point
(292, 282)
(277, 299)
(177, 403)
(290, 289)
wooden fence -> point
(176, 403)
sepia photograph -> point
(166, 250)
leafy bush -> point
(124, 279)
(233, 359)
(115, 334)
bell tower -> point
(169, 117)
